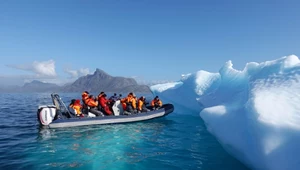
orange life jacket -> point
(129, 99)
(140, 104)
(77, 106)
(156, 102)
(91, 102)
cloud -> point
(43, 69)
(46, 68)
(84, 71)
(78, 73)
(72, 73)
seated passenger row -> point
(101, 106)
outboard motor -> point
(46, 114)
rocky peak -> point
(101, 74)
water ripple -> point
(179, 141)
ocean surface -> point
(178, 141)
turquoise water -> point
(178, 141)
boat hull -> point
(71, 122)
(58, 115)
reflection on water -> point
(104, 145)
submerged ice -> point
(253, 113)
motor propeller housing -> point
(46, 114)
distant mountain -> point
(101, 81)
(97, 82)
(37, 86)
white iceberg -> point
(253, 113)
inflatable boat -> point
(59, 115)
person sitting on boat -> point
(93, 104)
(142, 105)
(105, 105)
(84, 96)
(113, 98)
(77, 107)
(70, 107)
(156, 103)
(119, 97)
(72, 102)
(130, 103)
(100, 94)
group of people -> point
(101, 106)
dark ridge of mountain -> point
(38, 86)
(97, 82)
(138, 88)
(101, 81)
